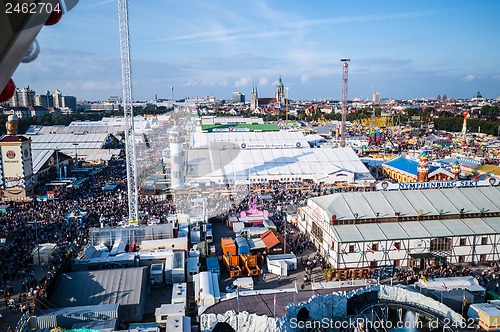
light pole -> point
(57, 165)
(76, 154)
(37, 242)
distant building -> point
(69, 102)
(20, 112)
(99, 107)
(238, 97)
(407, 170)
(114, 99)
(376, 97)
(269, 104)
(280, 93)
(46, 100)
(254, 99)
(23, 98)
(57, 97)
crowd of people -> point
(447, 270)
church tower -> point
(254, 99)
(16, 165)
(423, 168)
(280, 93)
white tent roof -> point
(218, 163)
(409, 202)
(415, 229)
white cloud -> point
(470, 77)
(244, 81)
(94, 85)
(263, 81)
(304, 78)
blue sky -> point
(402, 49)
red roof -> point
(269, 239)
(267, 101)
(13, 138)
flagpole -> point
(238, 300)
(274, 307)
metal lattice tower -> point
(345, 66)
(131, 157)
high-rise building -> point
(280, 93)
(23, 98)
(69, 102)
(238, 97)
(46, 100)
(376, 97)
(57, 97)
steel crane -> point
(130, 151)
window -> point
(463, 242)
(351, 248)
(397, 245)
(441, 244)
(482, 258)
(317, 232)
(461, 259)
(397, 262)
(484, 240)
(375, 246)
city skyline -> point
(404, 50)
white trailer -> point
(179, 294)
(168, 244)
(175, 267)
(289, 259)
(148, 257)
(206, 289)
(278, 267)
(179, 267)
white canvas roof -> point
(415, 229)
(431, 202)
(218, 164)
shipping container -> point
(228, 246)
(192, 267)
(242, 245)
(213, 265)
(249, 264)
(232, 265)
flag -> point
(443, 285)
(369, 249)
(344, 252)
(382, 248)
(394, 246)
(424, 278)
(356, 249)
